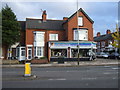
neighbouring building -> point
(56, 38)
(104, 42)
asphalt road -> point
(62, 77)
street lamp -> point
(78, 33)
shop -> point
(69, 49)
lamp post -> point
(78, 35)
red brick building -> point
(54, 38)
(104, 42)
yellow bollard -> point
(27, 69)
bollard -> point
(27, 69)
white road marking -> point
(63, 71)
(72, 71)
(89, 78)
(115, 68)
(57, 79)
(54, 71)
(106, 73)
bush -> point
(43, 57)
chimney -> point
(98, 34)
(65, 18)
(44, 15)
(108, 31)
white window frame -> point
(36, 52)
(80, 21)
(53, 36)
(80, 34)
(39, 38)
(29, 48)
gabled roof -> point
(80, 10)
(48, 25)
(103, 37)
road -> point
(63, 77)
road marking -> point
(57, 79)
(106, 73)
(72, 71)
(63, 71)
(54, 71)
(115, 68)
(89, 78)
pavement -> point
(70, 64)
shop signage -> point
(72, 44)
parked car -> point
(102, 55)
(114, 55)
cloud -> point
(104, 14)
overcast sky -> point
(104, 14)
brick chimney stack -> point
(108, 31)
(98, 34)
(44, 16)
(65, 18)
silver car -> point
(102, 55)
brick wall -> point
(30, 37)
(72, 23)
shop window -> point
(53, 36)
(58, 53)
(98, 43)
(82, 52)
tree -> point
(10, 29)
(116, 37)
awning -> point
(72, 44)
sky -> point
(104, 14)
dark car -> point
(114, 55)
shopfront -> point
(69, 49)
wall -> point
(72, 23)
(30, 37)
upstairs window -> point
(38, 36)
(80, 21)
(81, 34)
(53, 36)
